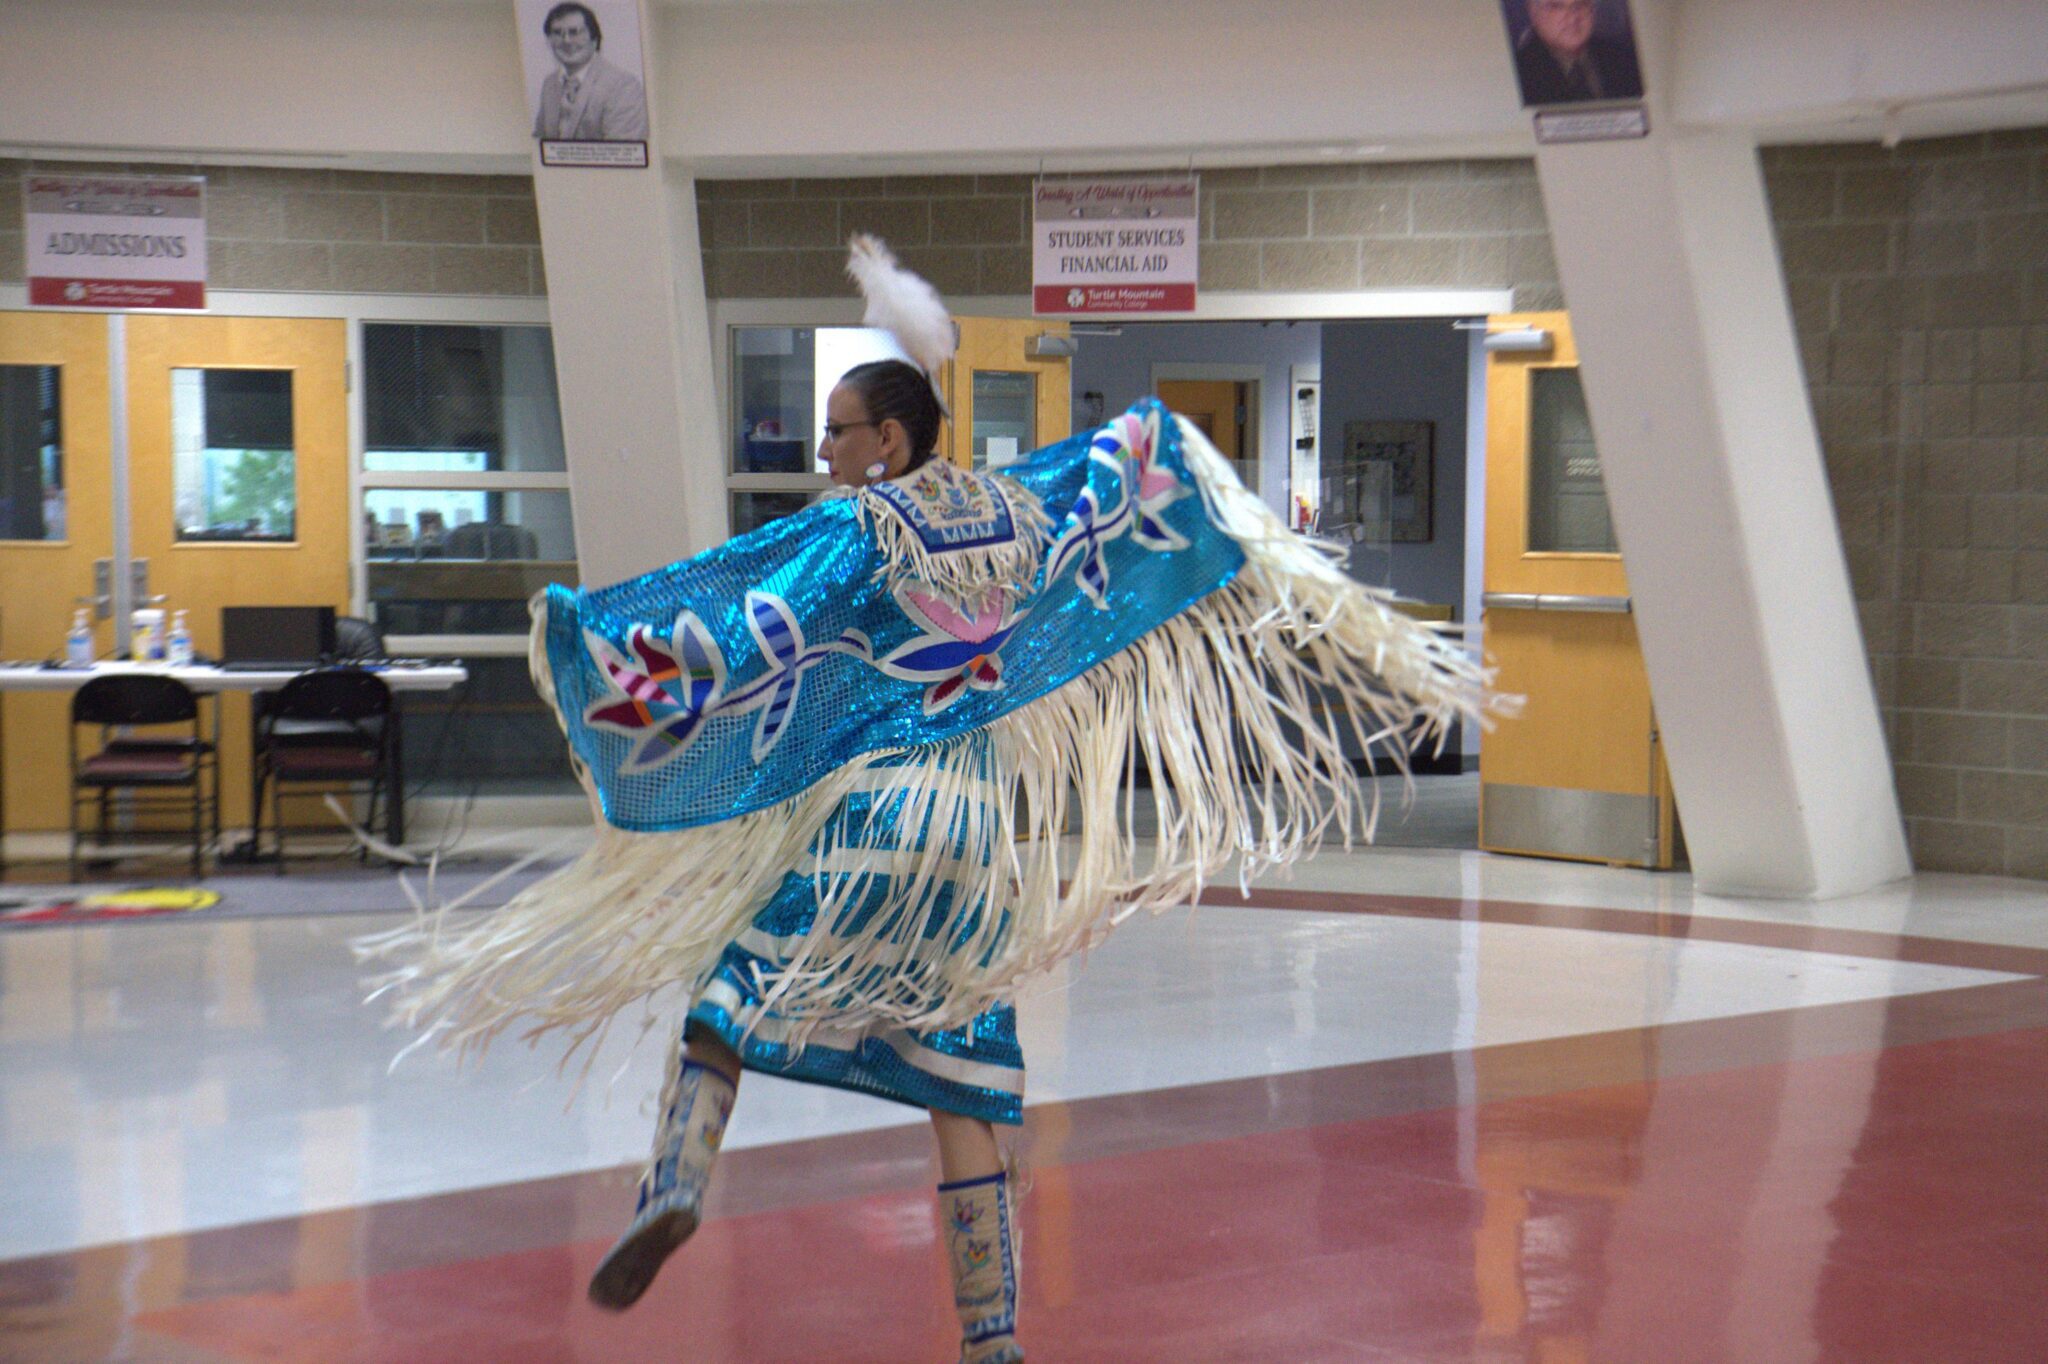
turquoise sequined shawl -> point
(730, 682)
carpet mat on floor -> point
(258, 894)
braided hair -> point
(899, 390)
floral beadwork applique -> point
(662, 696)
(662, 692)
(1144, 489)
(959, 649)
(950, 508)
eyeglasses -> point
(833, 430)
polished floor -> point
(1409, 1105)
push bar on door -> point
(1557, 601)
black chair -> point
(145, 766)
(332, 726)
(357, 639)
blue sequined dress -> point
(976, 1070)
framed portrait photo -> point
(1572, 51)
(586, 83)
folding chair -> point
(326, 727)
(142, 766)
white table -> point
(400, 676)
(206, 678)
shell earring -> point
(875, 470)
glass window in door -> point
(1567, 496)
(232, 457)
(1005, 416)
(31, 453)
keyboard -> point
(289, 666)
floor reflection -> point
(1375, 1127)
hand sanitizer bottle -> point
(179, 651)
(78, 644)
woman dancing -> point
(833, 760)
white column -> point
(626, 305)
(1720, 500)
(705, 456)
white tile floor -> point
(1986, 909)
(167, 1076)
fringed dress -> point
(976, 1069)
(833, 759)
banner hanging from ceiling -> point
(111, 241)
(1115, 246)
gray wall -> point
(1120, 368)
(1919, 284)
(331, 231)
(1406, 370)
(1401, 225)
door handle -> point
(102, 599)
(1557, 601)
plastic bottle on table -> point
(78, 644)
(178, 652)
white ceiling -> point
(873, 87)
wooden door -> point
(56, 457)
(238, 482)
(1005, 401)
(1580, 774)
(1219, 408)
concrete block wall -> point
(329, 231)
(1919, 284)
(1407, 225)
(1429, 224)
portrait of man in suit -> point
(1573, 51)
(585, 98)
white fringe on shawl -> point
(1236, 708)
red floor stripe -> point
(1878, 1206)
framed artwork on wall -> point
(1386, 483)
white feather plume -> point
(903, 304)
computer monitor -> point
(281, 636)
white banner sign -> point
(1115, 246)
(116, 241)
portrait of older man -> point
(585, 98)
(1571, 51)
